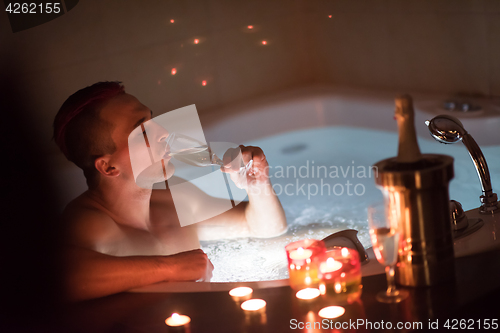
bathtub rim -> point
(373, 267)
(426, 106)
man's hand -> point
(191, 265)
(263, 215)
(237, 158)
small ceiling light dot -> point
(174, 71)
(196, 41)
(172, 21)
(329, 16)
(264, 42)
(250, 27)
(159, 82)
(203, 83)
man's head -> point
(80, 132)
(93, 126)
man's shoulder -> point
(86, 223)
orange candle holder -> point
(340, 275)
(304, 257)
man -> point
(122, 235)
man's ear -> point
(103, 165)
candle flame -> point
(240, 291)
(331, 312)
(307, 293)
(253, 304)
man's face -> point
(140, 142)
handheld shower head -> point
(446, 129)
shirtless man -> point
(121, 236)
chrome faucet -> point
(448, 129)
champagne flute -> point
(385, 236)
(193, 152)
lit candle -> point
(300, 254)
(177, 320)
(331, 312)
(304, 257)
(241, 293)
(253, 305)
(340, 271)
(307, 293)
(331, 265)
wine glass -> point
(385, 236)
(193, 152)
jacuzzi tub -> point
(325, 128)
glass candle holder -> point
(304, 257)
(340, 275)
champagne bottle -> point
(408, 150)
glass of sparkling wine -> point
(385, 236)
(191, 151)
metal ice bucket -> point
(417, 196)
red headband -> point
(78, 102)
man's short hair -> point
(81, 133)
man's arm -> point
(262, 216)
(90, 274)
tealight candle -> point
(307, 293)
(240, 294)
(300, 254)
(253, 305)
(340, 273)
(331, 312)
(240, 291)
(331, 265)
(303, 261)
(178, 323)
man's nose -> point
(159, 132)
(164, 136)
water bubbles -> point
(252, 259)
